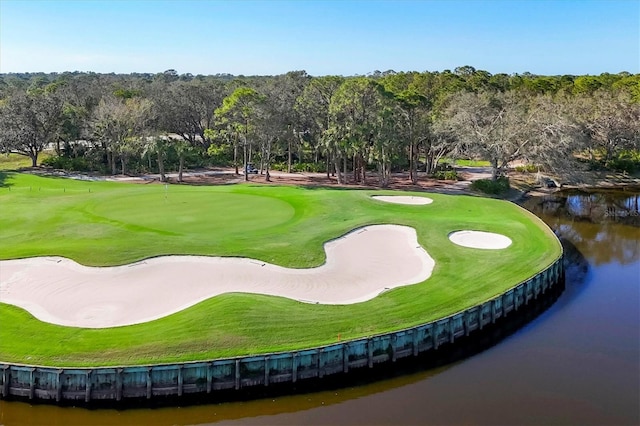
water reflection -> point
(595, 206)
(605, 224)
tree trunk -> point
(34, 159)
(494, 169)
(163, 178)
(180, 167)
(289, 156)
(235, 155)
(300, 151)
(411, 175)
(244, 155)
(267, 160)
(328, 172)
(344, 161)
(355, 168)
(111, 163)
(262, 162)
(364, 173)
(336, 165)
(123, 162)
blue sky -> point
(322, 37)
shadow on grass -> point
(4, 179)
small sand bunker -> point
(480, 240)
(359, 266)
(403, 199)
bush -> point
(493, 187)
(299, 167)
(446, 175)
(624, 165)
(443, 166)
(528, 168)
(280, 166)
(309, 167)
(77, 164)
(217, 155)
(626, 161)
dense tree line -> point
(352, 127)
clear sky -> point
(269, 37)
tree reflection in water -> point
(603, 225)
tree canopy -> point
(346, 126)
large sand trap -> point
(403, 199)
(359, 266)
(480, 240)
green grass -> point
(16, 161)
(467, 163)
(107, 223)
(473, 163)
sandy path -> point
(359, 266)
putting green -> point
(215, 212)
(104, 223)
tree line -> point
(355, 128)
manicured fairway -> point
(105, 223)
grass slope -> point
(107, 223)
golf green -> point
(109, 223)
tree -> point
(120, 126)
(313, 111)
(494, 126)
(158, 146)
(238, 112)
(185, 108)
(356, 116)
(413, 106)
(610, 121)
(280, 120)
(385, 143)
(29, 122)
(557, 137)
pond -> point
(576, 363)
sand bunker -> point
(359, 266)
(480, 240)
(403, 199)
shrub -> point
(299, 167)
(528, 168)
(77, 164)
(308, 167)
(446, 175)
(626, 161)
(493, 187)
(444, 165)
(55, 162)
(624, 165)
(280, 166)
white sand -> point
(359, 266)
(480, 240)
(403, 199)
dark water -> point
(577, 363)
